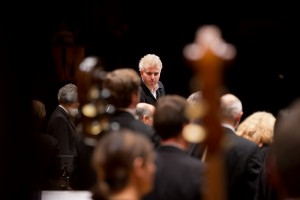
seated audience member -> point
(285, 157)
(243, 159)
(144, 112)
(124, 164)
(178, 176)
(150, 67)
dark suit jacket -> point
(127, 120)
(61, 127)
(147, 96)
(266, 191)
(48, 166)
(243, 162)
(178, 176)
(83, 176)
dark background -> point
(265, 35)
(264, 74)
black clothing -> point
(179, 176)
(147, 96)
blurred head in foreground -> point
(285, 151)
(124, 163)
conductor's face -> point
(151, 76)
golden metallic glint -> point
(89, 110)
(95, 128)
(94, 93)
(196, 111)
(194, 133)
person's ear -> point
(238, 119)
(100, 174)
(144, 118)
(135, 98)
(240, 116)
(138, 166)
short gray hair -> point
(230, 106)
(68, 94)
(143, 109)
(195, 98)
(149, 60)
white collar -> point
(63, 108)
(228, 126)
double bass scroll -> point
(208, 55)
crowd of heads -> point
(124, 158)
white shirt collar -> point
(63, 108)
(228, 126)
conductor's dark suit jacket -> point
(147, 96)
(178, 176)
(62, 128)
(243, 161)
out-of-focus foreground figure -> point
(124, 163)
(285, 152)
(179, 176)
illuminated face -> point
(151, 76)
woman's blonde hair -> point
(258, 127)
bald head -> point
(144, 112)
(231, 109)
